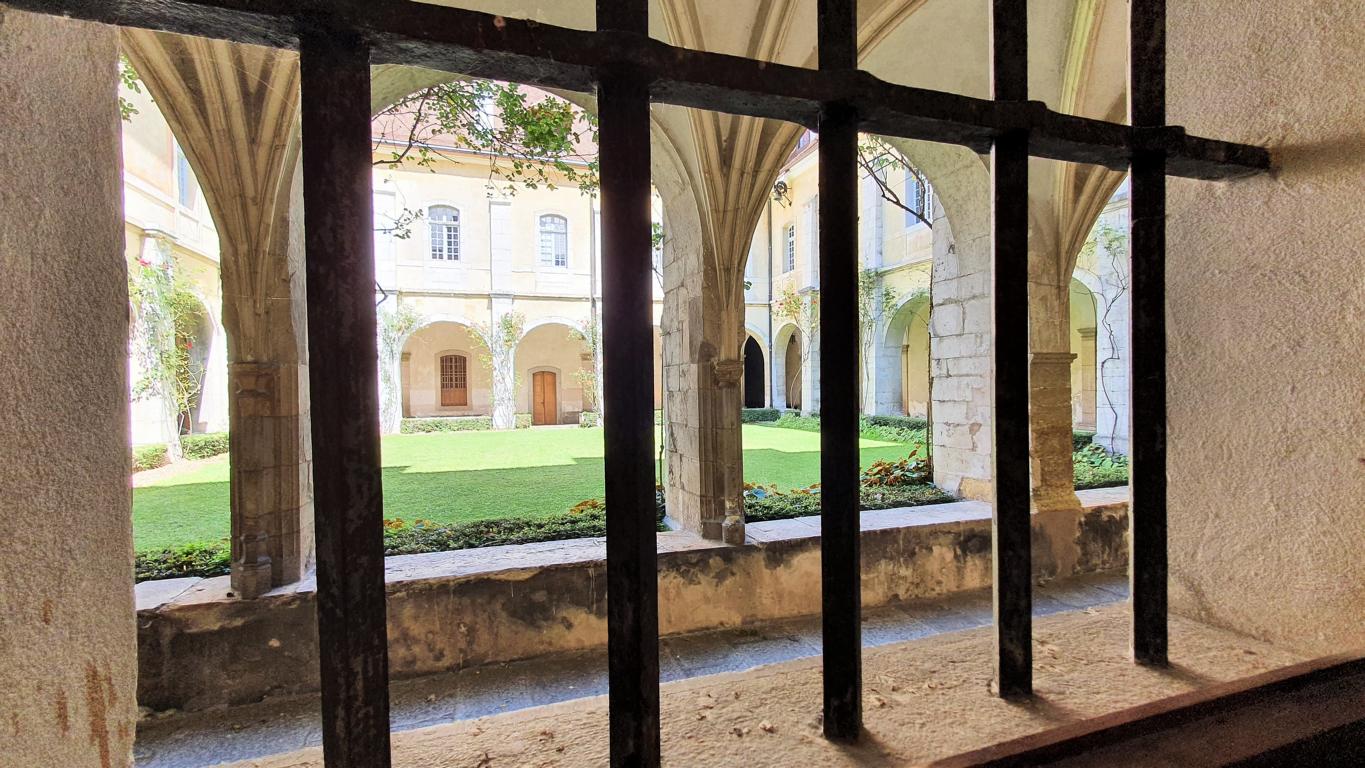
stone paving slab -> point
(923, 700)
(241, 733)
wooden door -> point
(454, 381)
(544, 398)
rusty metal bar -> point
(485, 45)
(840, 561)
(343, 380)
(1012, 573)
(628, 388)
(1147, 340)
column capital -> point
(1051, 358)
(728, 372)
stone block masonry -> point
(199, 648)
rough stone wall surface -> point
(1266, 308)
(67, 636)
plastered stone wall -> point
(1266, 308)
(67, 636)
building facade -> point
(499, 289)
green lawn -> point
(465, 476)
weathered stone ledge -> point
(201, 647)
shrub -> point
(446, 424)
(910, 470)
(658, 417)
(891, 429)
(198, 559)
(584, 519)
(204, 446)
(148, 457)
(794, 420)
(521, 421)
(757, 415)
(1097, 468)
(587, 419)
(806, 501)
(1080, 439)
(898, 422)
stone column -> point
(233, 109)
(1050, 427)
(702, 403)
(810, 373)
(69, 636)
(1050, 359)
(1088, 377)
(503, 336)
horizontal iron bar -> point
(483, 45)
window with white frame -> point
(186, 187)
(789, 256)
(554, 240)
(916, 199)
(444, 223)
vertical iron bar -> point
(840, 560)
(1012, 582)
(1147, 270)
(343, 384)
(628, 388)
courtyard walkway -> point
(283, 725)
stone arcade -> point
(1262, 545)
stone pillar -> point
(69, 633)
(503, 336)
(1050, 428)
(233, 109)
(1050, 360)
(810, 373)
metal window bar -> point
(629, 69)
(840, 561)
(1147, 328)
(348, 500)
(1012, 594)
(628, 388)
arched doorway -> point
(903, 367)
(792, 384)
(753, 374)
(1084, 366)
(554, 372)
(441, 375)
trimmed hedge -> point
(201, 559)
(587, 419)
(898, 422)
(757, 415)
(445, 424)
(204, 446)
(794, 420)
(148, 457)
(783, 506)
(1080, 439)
(519, 421)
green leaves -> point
(532, 144)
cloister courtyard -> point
(458, 477)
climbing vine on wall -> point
(589, 334)
(395, 327)
(165, 315)
(1112, 242)
(497, 352)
